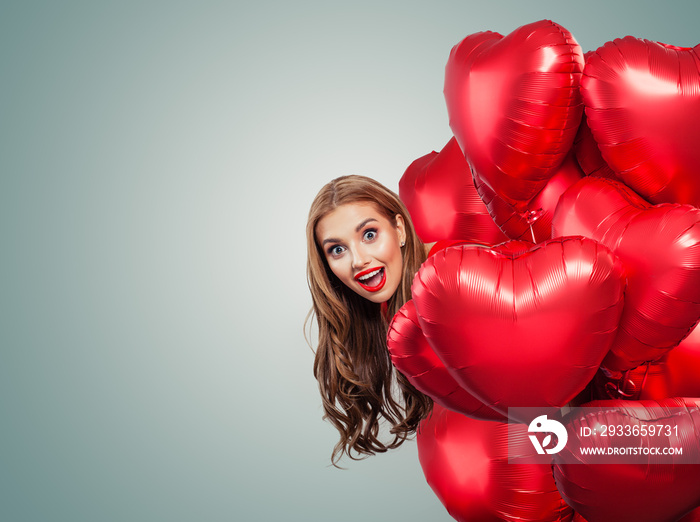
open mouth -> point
(371, 280)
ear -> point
(401, 228)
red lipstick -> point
(376, 282)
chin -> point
(380, 297)
(377, 299)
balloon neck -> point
(623, 387)
(620, 390)
(531, 216)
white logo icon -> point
(542, 424)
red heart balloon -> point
(534, 224)
(693, 516)
(413, 357)
(521, 328)
(586, 149)
(439, 193)
(514, 105)
(660, 249)
(632, 492)
(465, 462)
(588, 154)
(676, 374)
(643, 106)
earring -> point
(403, 243)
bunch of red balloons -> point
(581, 175)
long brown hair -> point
(352, 363)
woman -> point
(362, 255)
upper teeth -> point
(371, 274)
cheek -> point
(392, 252)
(393, 258)
(339, 268)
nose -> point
(360, 259)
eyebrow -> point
(361, 225)
(357, 229)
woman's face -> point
(363, 249)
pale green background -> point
(157, 161)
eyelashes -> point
(369, 231)
(369, 235)
(335, 250)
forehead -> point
(343, 220)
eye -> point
(370, 235)
(336, 250)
